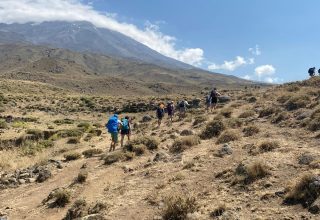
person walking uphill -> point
(183, 109)
(125, 129)
(214, 98)
(113, 126)
(160, 113)
(170, 110)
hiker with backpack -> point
(319, 72)
(208, 103)
(170, 110)
(312, 71)
(125, 129)
(113, 127)
(214, 98)
(183, 108)
(160, 113)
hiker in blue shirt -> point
(113, 127)
(125, 129)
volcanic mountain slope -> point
(86, 72)
(255, 157)
(85, 37)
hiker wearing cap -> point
(113, 127)
(160, 113)
(312, 71)
(183, 108)
(170, 110)
(125, 129)
(214, 98)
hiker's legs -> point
(122, 138)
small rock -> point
(161, 156)
(43, 175)
(93, 217)
(24, 175)
(146, 118)
(59, 166)
(21, 181)
(157, 217)
(305, 159)
(127, 169)
(31, 180)
(225, 150)
(186, 133)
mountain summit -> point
(85, 37)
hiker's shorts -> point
(114, 137)
(125, 132)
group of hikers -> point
(312, 71)
(123, 125)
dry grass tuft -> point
(184, 143)
(92, 152)
(270, 110)
(250, 173)
(82, 176)
(72, 156)
(267, 146)
(297, 102)
(226, 112)
(247, 114)
(250, 130)
(228, 136)
(77, 210)
(178, 207)
(304, 191)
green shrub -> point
(37, 134)
(63, 121)
(61, 197)
(3, 124)
(84, 125)
(150, 142)
(213, 129)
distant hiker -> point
(160, 113)
(125, 129)
(312, 71)
(319, 72)
(113, 126)
(214, 98)
(183, 108)
(170, 110)
(208, 102)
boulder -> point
(225, 150)
(224, 99)
(43, 175)
(146, 118)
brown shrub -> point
(72, 156)
(199, 120)
(251, 130)
(268, 146)
(228, 136)
(297, 102)
(247, 114)
(178, 207)
(213, 129)
(250, 173)
(270, 110)
(82, 176)
(77, 210)
(303, 191)
(91, 152)
(226, 112)
(184, 143)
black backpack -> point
(311, 71)
(319, 71)
(182, 104)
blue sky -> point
(212, 34)
(287, 31)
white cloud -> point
(265, 70)
(271, 80)
(22, 11)
(232, 65)
(247, 77)
(255, 51)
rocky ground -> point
(255, 157)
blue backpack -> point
(125, 124)
(112, 124)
